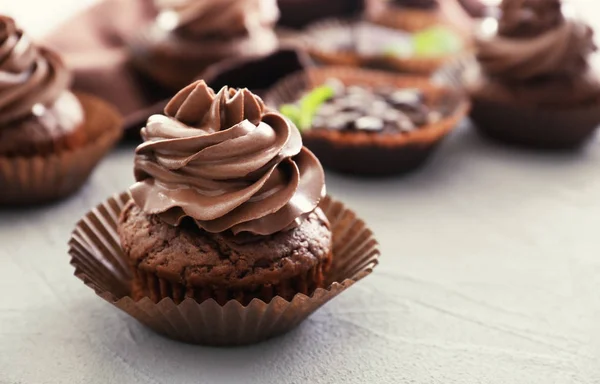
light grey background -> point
(490, 274)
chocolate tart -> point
(372, 153)
(358, 43)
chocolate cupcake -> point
(50, 138)
(532, 83)
(188, 36)
(225, 204)
(406, 15)
(368, 122)
(102, 265)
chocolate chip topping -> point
(382, 109)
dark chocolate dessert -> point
(534, 84)
(368, 123)
(225, 206)
(383, 110)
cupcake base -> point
(535, 127)
(101, 264)
(150, 285)
(222, 266)
(41, 179)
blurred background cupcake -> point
(533, 82)
(50, 138)
(188, 36)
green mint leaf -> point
(436, 41)
(310, 103)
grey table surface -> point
(490, 273)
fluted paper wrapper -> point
(100, 263)
(523, 125)
(372, 154)
(40, 179)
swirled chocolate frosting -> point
(227, 162)
(28, 75)
(529, 18)
(535, 40)
(219, 18)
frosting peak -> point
(217, 18)
(227, 162)
(28, 75)
(528, 18)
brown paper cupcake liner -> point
(327, 55)
(535, 127)
(529, 126)
(100, 263)
(404, 19)
(41, 179)
(151, 285)
(372, 154)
